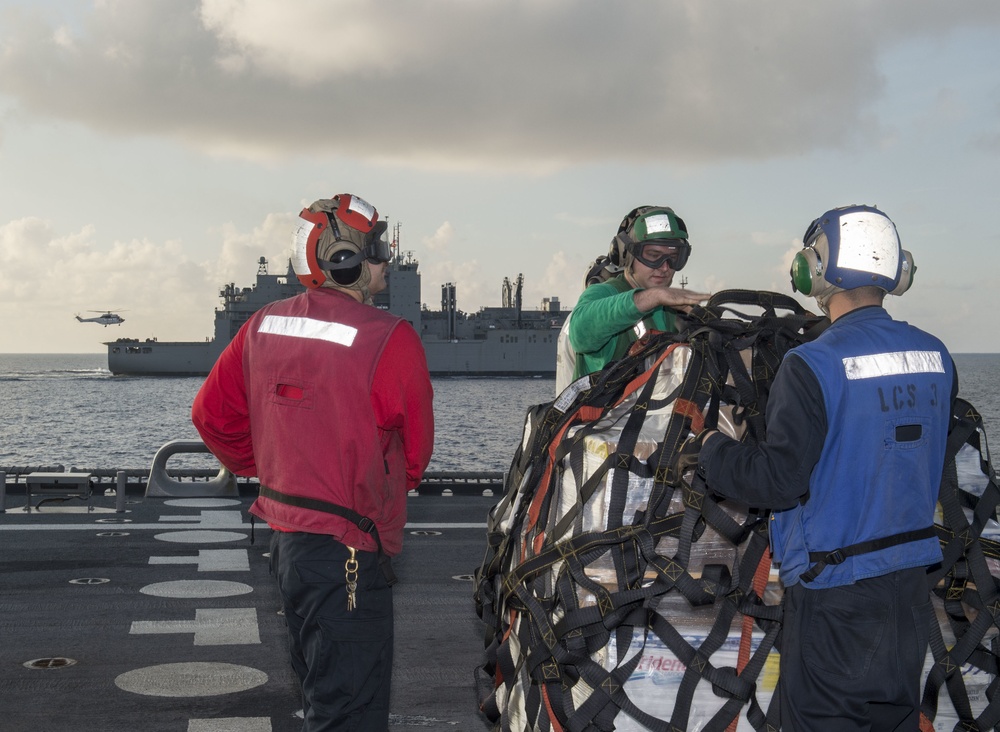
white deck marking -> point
(196, 588)
(191, 679)
(211, 627)
(202, 502)
(212, 560)
(199, 537)
(260, 526)
(210, 518)
(231, 724)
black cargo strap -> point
(837, 556)
(548, 612)
(362, 522)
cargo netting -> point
(619, 594)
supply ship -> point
(495, 341)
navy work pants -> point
(342, 657)
(851, 656)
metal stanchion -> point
(121, 480)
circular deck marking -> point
(49, 663)
(112, 533)
(424, 532)
(191, 679)
(89, 581)
(463, 577)
(201, 502)
(114, 521)
(196, 588)
(200, 537)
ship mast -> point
(394, 254)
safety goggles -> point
(376, 248)
(676, 257)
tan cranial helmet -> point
(333, 239)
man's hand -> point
(687, 456)
(672, 297)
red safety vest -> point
(309, 362)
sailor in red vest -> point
(327, 400)
(857, 422)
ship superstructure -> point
(495, 341)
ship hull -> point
(135, 358)
(502, 354)
(444, 358)
(496, 341)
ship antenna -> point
(684, 282)
(394, 246)
(262, 266)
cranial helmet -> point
(851, 247)
(332, 240)
(647, 225)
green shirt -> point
(601, 328)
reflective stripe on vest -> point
(893, 364)
(320, 330)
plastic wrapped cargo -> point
(618, 594)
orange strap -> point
(687, 408)
(556, 727)
(759, 585)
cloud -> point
(789, 255)
(440, 240)
(469, 281)
(457, 84)
(47, 277)
(271, 240)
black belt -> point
(837, 556)
(362, 522)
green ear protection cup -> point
(803, 266)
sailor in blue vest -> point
(856, 427)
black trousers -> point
(342, 657)
(851, 656)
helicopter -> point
(105, 318)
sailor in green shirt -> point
(651, 245)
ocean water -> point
(69, 410)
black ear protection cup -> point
(348, 272)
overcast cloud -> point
(489, 83)
(153, 150)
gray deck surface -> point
(128, 597)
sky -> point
(152, 151)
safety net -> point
(619, 593)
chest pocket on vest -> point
(291, 392)
(906, 433)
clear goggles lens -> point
(656, 259)
(376, 246)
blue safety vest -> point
(870, 508)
